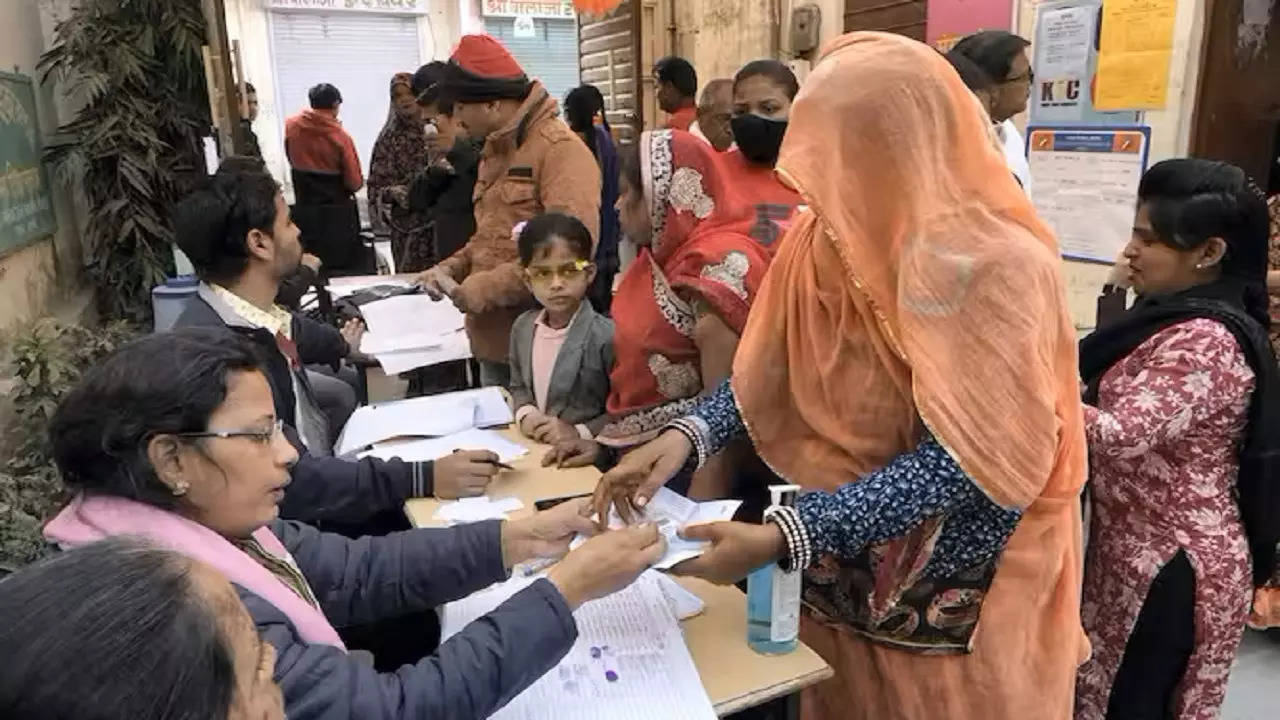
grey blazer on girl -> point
(580, 381)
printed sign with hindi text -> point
(1065, 60)
(528, 8)
(1133, 60)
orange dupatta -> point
(923, 292)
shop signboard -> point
(554, 9)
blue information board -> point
(1086, 185)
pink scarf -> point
(91, 518)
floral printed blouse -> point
(914, 486)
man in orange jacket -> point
(531, 163)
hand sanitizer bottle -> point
(773, 596)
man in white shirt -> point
(995, 66)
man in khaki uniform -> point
(531, 163)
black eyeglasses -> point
(262, 437)
(1029, 76)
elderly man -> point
(715, 113)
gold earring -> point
(180, 489)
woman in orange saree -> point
(909, 362)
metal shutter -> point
(357, 52)
(551, 56)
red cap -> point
(484, 56)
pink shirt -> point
(547, 342)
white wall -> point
(37, 277)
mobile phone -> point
(548, 503)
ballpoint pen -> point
(495, 463)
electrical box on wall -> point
(805, 23)
(800, 68)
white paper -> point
(210, 147)
(412, 315)
(475, 509)
(375, 343)
(671, 511)
(454, 346)
(431, 416)
(634, 632)
(422, 450)
(683, 603)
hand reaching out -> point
(436, 283)
(630, 484)
(736, 549)
(607, 563)
(546, 534)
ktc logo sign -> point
(1060, 93)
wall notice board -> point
(1086, 185)
(26, 203)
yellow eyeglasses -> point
(568, 271)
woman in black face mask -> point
(762, 95)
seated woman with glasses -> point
(174, 438)
(121, 630)
(561, 353)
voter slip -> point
(671, 511)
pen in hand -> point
(495, 463)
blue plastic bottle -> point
(773, 596)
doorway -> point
(1238, 107)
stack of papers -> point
(630, 661)
(412, 331)
(672, 511)
(422, 450)
(475, 509)
(431, 416)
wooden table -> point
(735, 676)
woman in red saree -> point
(682, 304)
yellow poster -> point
(1134, 53)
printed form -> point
(630, 661)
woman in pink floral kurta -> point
(1163, 443)
(1183, 420)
